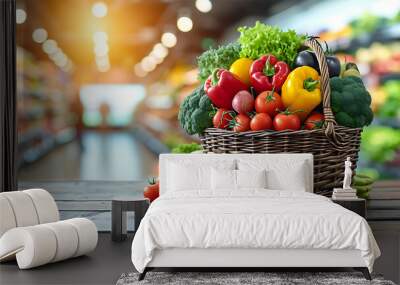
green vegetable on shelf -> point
(380, 143)
(194, 113)
(222, 57)
(350, 102)
(362, 180)
(263, 39)
(187, 148)
(367, 23)
(391, 107)
(363, 184)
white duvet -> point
(256, 218)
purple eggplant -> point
(308, 58)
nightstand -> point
(356, 205)
(118, 213)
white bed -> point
(200, 226)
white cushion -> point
(87, 233)
(45, 206)
(290, 175)
(186, 175)
(7, 218)
(23, 208)
(67, 240)
(251, 178)
(40, 244)
(223, 179)
(26, 208)
(231, 180)
(267, 161)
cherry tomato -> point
(152, 191)
(242, 123)
(269, 102)
(261, 121)
(286, 121)
(314, 121)
(222, 118)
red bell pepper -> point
(222, 86)
(267, 73)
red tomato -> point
(261, 121)
(287, 121)
(152, 191)
(269, 102)
(242, 123)
(314, 121)
(222, 118)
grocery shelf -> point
(389, 76)
(383, 35)
(44, 119)
(36, 143)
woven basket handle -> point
(325, 89)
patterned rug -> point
(253, 278)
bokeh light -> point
(100, 37)
(203, 6)
(50, 46)
(139, 70)
(20, 15)
(160, 51)
(169, 39)
(39, 35)
(99, 9)
(148, 63)
(184, 24)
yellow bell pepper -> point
(301, 91)
(241, 68)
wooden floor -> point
(103, 266)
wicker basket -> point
(329, 145)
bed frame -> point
(242, 258)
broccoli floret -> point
(336, 84)
(200, 120)
(350, 102)
(221, 57)
(344, 119)
(194, 113)
(205, 103)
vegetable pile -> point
(268, 81)
(363, 184)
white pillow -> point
(293, 180)
(223, 179)
(251, 178)
(186, 175)
(231, 180)
(291, 175)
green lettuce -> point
(263, 39)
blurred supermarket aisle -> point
(115, 155)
